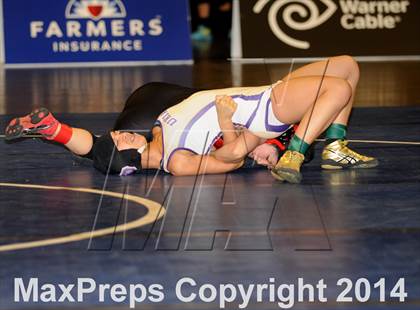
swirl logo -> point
(306, 9)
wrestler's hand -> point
(265, 154)
(225, 107)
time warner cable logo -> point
(356, 15)
(96, 26)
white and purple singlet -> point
(193, 125)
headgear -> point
(107, 159)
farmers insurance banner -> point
(63, 31)
(311, 28)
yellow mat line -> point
(154, 212)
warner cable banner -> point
(317, 28)
(80, 31)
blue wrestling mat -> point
(339, 240)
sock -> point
(335, 132)
(64, 135)
(298, 145)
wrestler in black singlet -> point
(148, 101)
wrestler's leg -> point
(336, 154)
(344, 67)
(324, 98)
(296, 101)
(315, 102)
(41, 122)
(81, 142)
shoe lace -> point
(293, 156)
(348, 150)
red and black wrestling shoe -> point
(282, 141)
(39, 122)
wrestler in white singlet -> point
(193, 124)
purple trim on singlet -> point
(172, 153)
(192, 121)
(250, 97)
(187, 149)
(251, 118)
(274, 128)
(209, 106)
(159, 124)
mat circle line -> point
(155, 211)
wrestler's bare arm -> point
(226, 107)
(184, 163)
(239, 148)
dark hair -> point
(107, 159)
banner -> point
(309, 28)
(67, 31)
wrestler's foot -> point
(39, 121)
(337, 155)
(285, 138)
(288, 167)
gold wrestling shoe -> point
(337, 155)
(288, 167)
